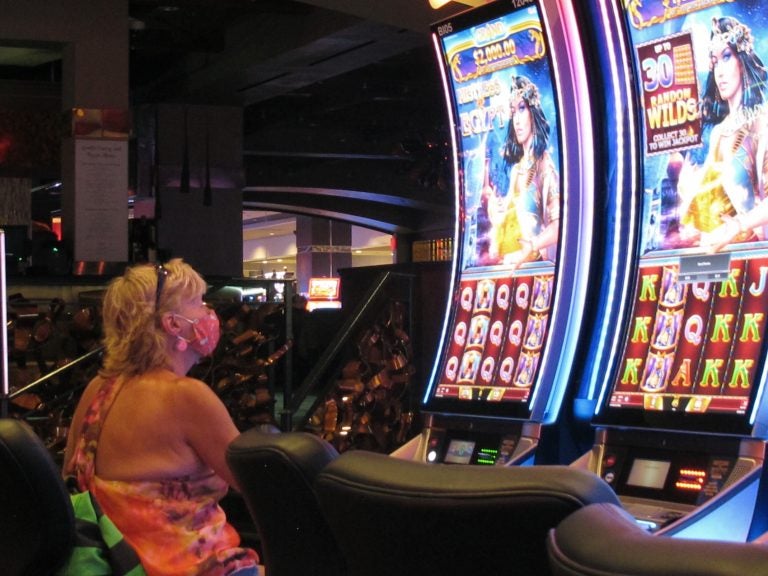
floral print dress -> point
(176, 526)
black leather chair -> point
(37, 525)
(276, 472)
(604, 540)
(393, 516)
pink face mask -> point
(207, 333)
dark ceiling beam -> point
(382, 212)
(327, 155)
(343, 112)
(354, 195)
(354, 219)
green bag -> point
(100, 549)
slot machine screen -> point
(693, 354)
(501, 88)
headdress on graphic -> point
(728, 31)
(731, 32)
(522, 87)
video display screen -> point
(694, 351)
(648, 473)
(459, 452)
(503, 95)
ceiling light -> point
(440, 3)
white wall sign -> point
(101, 208)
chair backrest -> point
(37, 525)
(393, 516)
(604, 540)
(276, 472)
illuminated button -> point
(431, 456)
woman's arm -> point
(207, 426)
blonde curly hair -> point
(134, 339)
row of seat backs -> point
(37, 525)
(367, 514)
(363, 513)
(604, 540)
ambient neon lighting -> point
(583, 119)
(622, 119)
(456, 223)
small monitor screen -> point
(324, 288)
(648, 473)
(459, 452)
(695, 336)
(499, 76)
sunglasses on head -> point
(162, 274)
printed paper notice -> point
(101, 207)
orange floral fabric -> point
(176, 526)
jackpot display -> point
(693, 356)
(500, 70)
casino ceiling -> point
(343, 112)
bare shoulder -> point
(193, 390)
(194, 397)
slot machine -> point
(676, 369)
(517, 100)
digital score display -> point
(694, 351)
(506, 117)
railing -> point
(298, 403)
(33, 386)
(319, 381)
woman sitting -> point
(149, 442)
